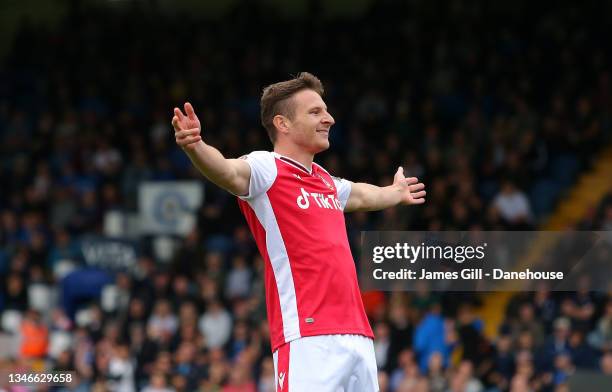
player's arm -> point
(232, 175)
(367, 197)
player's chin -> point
(322, 145)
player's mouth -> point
(324, 131)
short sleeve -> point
(263, 173)
(343, 188)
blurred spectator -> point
(383, 381)
(240, 380)
(238, 280)
(580, 307)
(182, 291)
(158, 384)
(401, 329)
(582, 354)
(606, 363)
(15, 295)
(601, 337)
(267, 379)
(215, 324)
(435, 373)
(433, 334)
(406, 365)
(34, 336)
(162, 322)
(121, 369)
(63, 248)
(555, 344)
(512, 206)
(462, 379)
(186, 366)
(563, 368)
(382, 343)
(503, 363)
(527, 321)
(545, 306)
(469, 332)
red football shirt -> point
(297, 219)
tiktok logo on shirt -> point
(320, 200)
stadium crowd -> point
(496, 112)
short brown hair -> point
(276, 99)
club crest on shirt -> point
(325, 182)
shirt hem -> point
(324, 331)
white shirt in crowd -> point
(216, 326)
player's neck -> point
(303, 157)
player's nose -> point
(328, 119)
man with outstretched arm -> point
(321, 337)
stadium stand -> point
(498, 108)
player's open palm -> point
(413, 191)
(187, 127)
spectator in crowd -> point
(512, 206)
(601, 337)
(432, 335)
(526, 321)
(216, 325)
(382, 344)
(555, 344)
(606, 363)
(158, 384)
(34, 336)
(121, 369)
(435, 373)
(503, 363)
(163, 321)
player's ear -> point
(281, 123)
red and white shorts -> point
(326, 363)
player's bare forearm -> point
(368, 197)
(229, 174)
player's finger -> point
(399, 174)
(188, 140)
(187, 132)
(179, 114)
(416, 187)
(175, 124)
(193, 139)
(418, 195)
(189, 110)
(418, 201)
(411, 180)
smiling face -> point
(308, 127)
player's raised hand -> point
(187, 127)
(413, 191)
